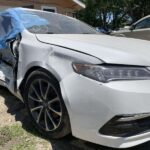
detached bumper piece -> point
(127, 126)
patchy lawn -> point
(16, 130)
(15, 138)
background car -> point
(138, 30)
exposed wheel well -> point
(29, 72)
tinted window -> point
(143, 24)
(59, 24)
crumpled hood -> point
(113, 50)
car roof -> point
(141, 19)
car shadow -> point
(17, 109)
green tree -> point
(89, 13)
(113, 13)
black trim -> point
(118, 128)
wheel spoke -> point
(36, 108)
(34, 99)
(38, 96)
(49, 116)
(39, 116)
(53, 100)
(45, 120)
(46, 93)
(54, 111)
(40, 84)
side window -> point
(143, 24)
(5, 26)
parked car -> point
(75, 80)
(138, 30)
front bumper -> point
(92, 104)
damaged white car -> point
(74, 80)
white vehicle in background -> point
(138, 30)
(75, 80)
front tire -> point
(45, 105)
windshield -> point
(60, 24)
(15, 20)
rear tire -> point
(45, 105)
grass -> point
(17, 138)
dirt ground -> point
(13, 112)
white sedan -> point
(75, 80)
(138, 30)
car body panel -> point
(116, 97)
(30, 56)
(109, 49)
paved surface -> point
(12, 110)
